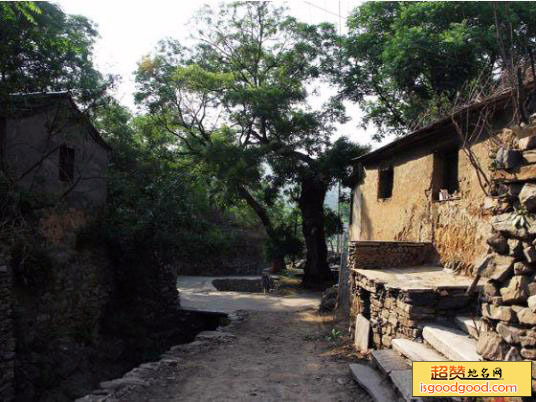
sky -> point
(130, 30)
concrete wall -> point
(27, 139)
(457, 227)
(7, 341)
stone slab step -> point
(416, 351)
(388, 360)
(376, 385)
(469, 325)
(451, 342)
(403, 381)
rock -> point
(499, 243)
(529, 340)
(531, 301)
(516, 291)
(501, 313)
(505, 224)
(491, 346)
(532, 289)
(529, 156)
(515, 248)
(497, 301)
(514, 189)
(526, 316)
(508, 158)
(521, 268)
(530, 254)
(490, 290)
(526, 143)
(527, 196)
(513, 355)
(510, 334)
(328, 300)
(496, 267)
(362, 333)
(524, 173)
(528, 353)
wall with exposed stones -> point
(457, 226)
(508, 272)
(7, 340)
(402, 313)
(386, 254)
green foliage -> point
(44, 49)
(399, 58)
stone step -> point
(376, 385)
(469, 325)
(398, 369)
(451, 342)
(416, 351)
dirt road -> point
(276, 356)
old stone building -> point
(48, 145)
(442, 242)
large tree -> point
(43, 49)
(243, 89)
(401, 59)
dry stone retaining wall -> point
(7, 341)
(509, 270)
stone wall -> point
(387, 254)
(7, 341)
(508, 272)
(402, 313)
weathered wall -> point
(456, 227)
(28, 139)
(378, 255)
(7, 341)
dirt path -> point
(276, 356)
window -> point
(385, 185)
(66, 163)
(445, 174)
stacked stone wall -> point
(399, 313)
(508, 272)
(7, 341)
(388, 254)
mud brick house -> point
(49, 146)
(442, 251)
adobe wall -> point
(29, 139)
(457, 227)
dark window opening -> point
(445, 174)
(66, 163)
(385, 185)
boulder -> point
(516, 292)
(508, 158)
(496, 267)
(528, 353)
(515, 248)
(526, 316)
(328, 300)
(499, 243)
(529, 340)
(505, 224)
(531, 301)
(501, 313)
(527, 196)
(530, 254)
(491, 346)
(522, 268)
(529, 156)
(532, 289)
(510, 334)
(526, 143)
(490, 290)
(513, 355)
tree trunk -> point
(278, 261)
(311, 203)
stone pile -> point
(7, 341)
(385, 254)
(508, 272)
(402, 313)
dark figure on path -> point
(267, 282)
